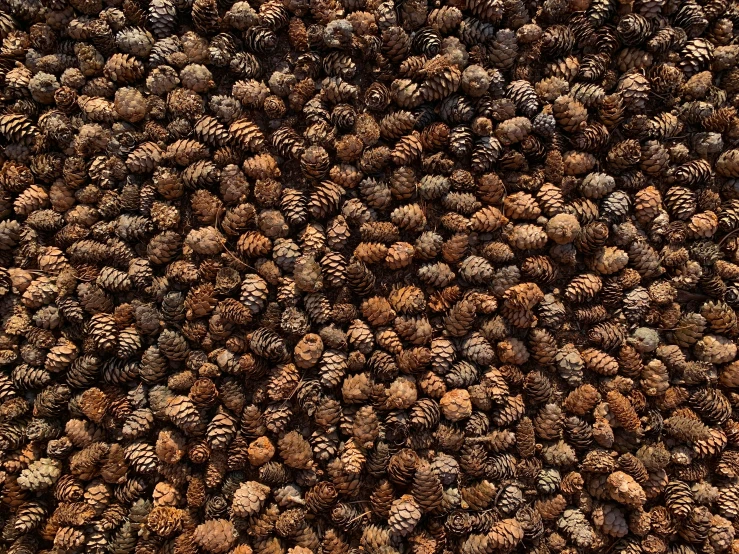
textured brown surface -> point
(345, 276)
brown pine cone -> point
(216, 536)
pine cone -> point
(404, 515)
(216, 536)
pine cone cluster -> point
(347, 276)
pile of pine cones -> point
(354, 276)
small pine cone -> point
(97, 109)
(102, 331)
(647, 204)
(574, 523)
(623, 411)
(254, 292)
(308, 350)
(624, 155)
(712, 405)
(696, 55)
(145, 158)
(592, 138)
(382, 499)
(727, 164)
(234, 311)
(407, 300)
(720, 316)
(435, 137)
(537, 386)
(164, 521)
(408, 149)
(404, 515)
(395, 43)
(681, 202)
(521, 205)
(583, 288)
(216, 536)
(599, 362)
(479, 495)
(253, 244)
(406, 93)
(205, 16)
(130, 104)
(397, 124)
(609, 260)
(687, 429)
(442, 79)
(720, 533)
(183, 413)
(123, 68)
(69, 539)
(634, 89)
(359, 278)
(33, 198)
(378, 311)
(679, 498)
(487, 219)
(655, 380)
(460, 318)
(506, 534)
(524, 96)
(325, 199)
(267, 344)
(162, 17)
(377, 97)
(93, 403)
(703, 225)
(17, 128)
(29, 516)
(611, 520)
(525, 236)
(203, 392)
(247, 135)
(485, 152)
(513, 130)
(427, 489)
(296, 451)
(261, 166)
(445, 19)
(314, 162)
(40, 474)
(581, 400)
(715, 349)
(564, 228)
(321, 497)
(249, 499)
(410, 217)
(569, 113)
(210, 131)
(456, 405)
